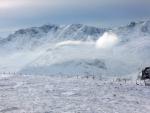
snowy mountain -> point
(77, 49)
(133, 30)
(31, 38)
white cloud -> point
(6, 4)
(108, 40)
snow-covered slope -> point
(45, 94)
(72, 67)
(74, 49)
(133, 30)
(31, 38)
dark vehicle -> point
(146, 76)
(145, 73)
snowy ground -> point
(43, 94)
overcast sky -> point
(104, 13)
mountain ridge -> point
(44, 47)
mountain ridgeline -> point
(51, 33)
(70, 49)
(57, 33)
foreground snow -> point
(44, 94)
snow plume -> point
(68, 43)
(108, 40)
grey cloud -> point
(105, 12)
